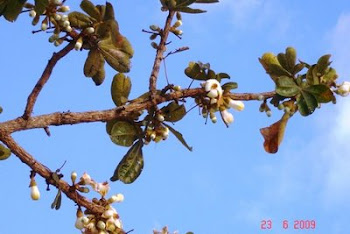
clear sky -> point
(228, 184)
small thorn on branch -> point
(47, 131)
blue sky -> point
(228, 184)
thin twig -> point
(159, 56)
(44, 78)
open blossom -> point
(344, 88)
(227, 117)
(213, 88)
(237, 105)
(102, 188)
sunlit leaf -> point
(91, 9)
(307, 103)
(286, 86)
(173, 112)
(5, 153)
(130, 166)
(13, 9)
(124, 133)
(273, 134)
(79, 20)
(179, 136)
(322, 93)
(120, 89)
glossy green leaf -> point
(91, 9)
(286, 87)
(291, 58)
(109, 125)
(229, 86)
(130, 167)
(307, 103)
(124, 133)
(179, 136)
(93, 63)
(120, 89)
(5, 153)
(189, 10)
(322, 93)
(173, 112)
(13, 9)
(310, 75)
(79, 20)
(40, 6)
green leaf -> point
(124, 133)
(291, 58)
(117, 56)
(13, 9)
(286, 87)
(109, 125)
(179, 136)
(211, 75)
(307, 103)
(282, 59)
(173, 112)
(40, 6)
(322, 93)
(195, 72)
(91, 9)
(207, 1)
(109, 14)
(99, 77)
(130, 167)
(229, 86)
(79, 20)
(184, 3)
(188, 10)
(322, 64)
(120, 89)
(93, 63)
(222, 75)
(330, 76)
(298, 68)
(5, 153)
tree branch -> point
(46, 173)
(65, 118)
(159, 55)
(44, 78)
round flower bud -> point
(160, 118)
(64, 9)
(177, 24)
(34, 190)
(66, 23)
(44, 26)
(78, 45)
(260, 97)
(64, 17)
(90, 30)
(68, 29)
(73, 176)
(177, 88)
(56, 2)
(213, 117)
(116, 198)
(344, 89)
(57, 17)
(32, 13)
(79, 223)
(268, 113)
(101, 225)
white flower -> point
(86, 179)
(102, 188)
(34, 191)
(344, 89)
(237, 105)
(213, 88)
(227, 117)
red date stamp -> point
(299, 224)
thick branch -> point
(65, 118)
(44, 78)
(46, 173)
(159, 55)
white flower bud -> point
(43, 26)
(57, 17)
(237, 105)
(68, 29)
(64, 9)
(90, 30)
(73, 176)
(56, 2)
(64, 18)
(165, 134)
(213, 117)
(153, 136)
(108, 213)
(177, 88)
(213, 100)
(344, 89)
(85, 220)
(78, 45)
(32, 13)
(160, 118)
(101, 225)
(79, 223)
(66, 23)
(178, 23)
(227, 117)
(34, 190)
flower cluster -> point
(156, 131)
(216, 100)
(109, 221)
(344, 89)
